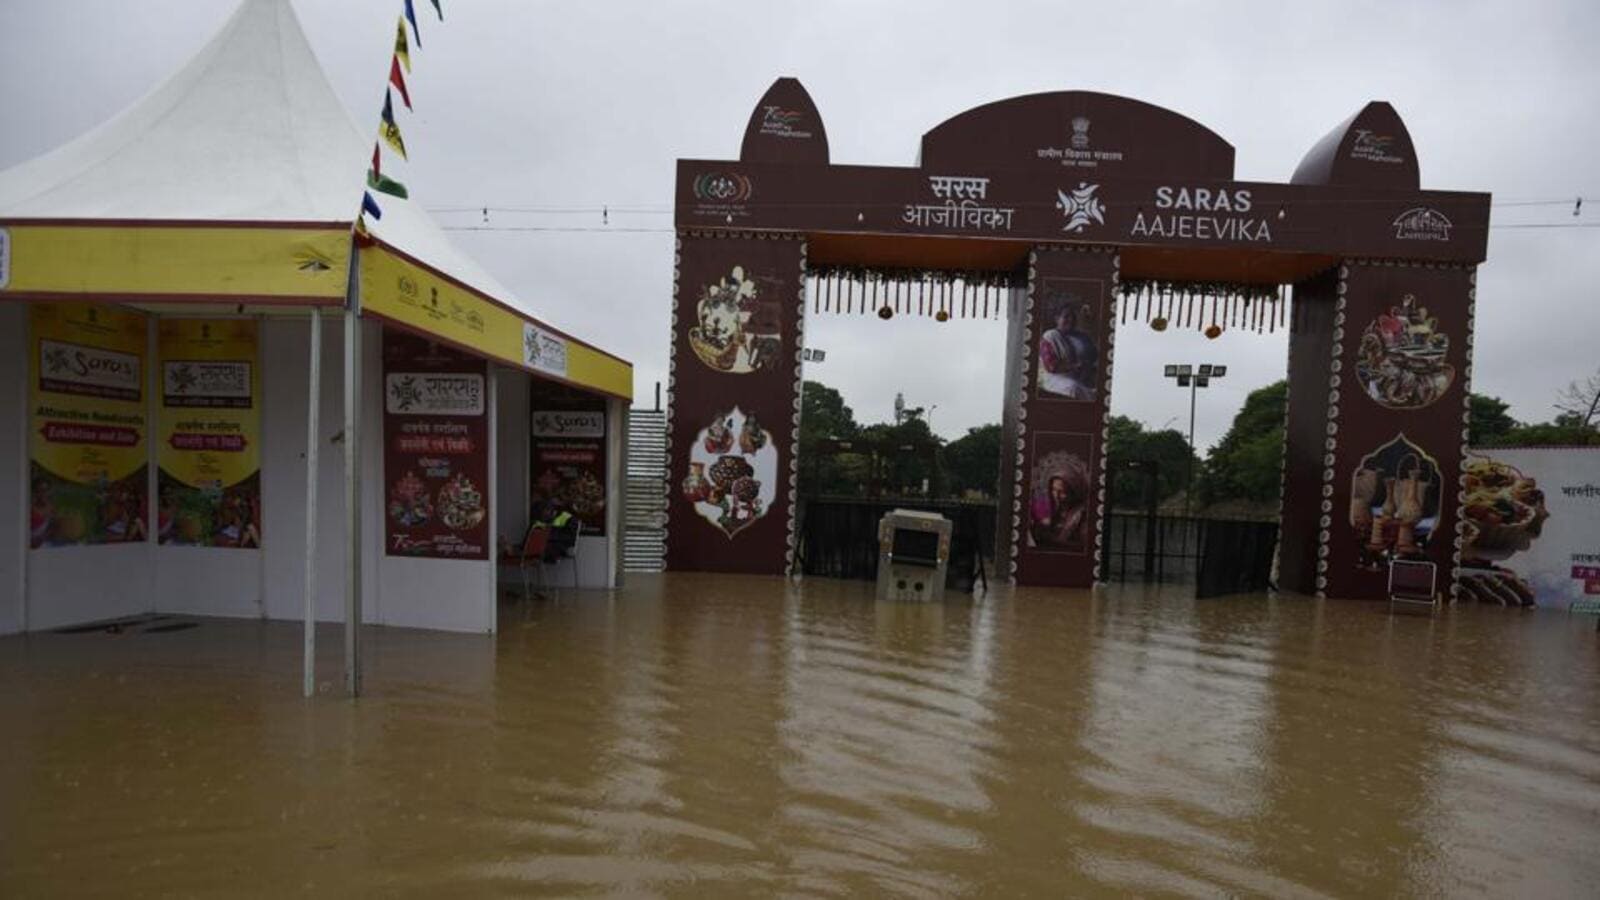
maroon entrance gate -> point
(1070, 214)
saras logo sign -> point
(89, 371)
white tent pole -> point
(313, 430)
(352, 478)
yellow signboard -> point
(411, 295)
(88, 475)
(209, 427)
(247, 263)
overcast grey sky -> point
(579, 105)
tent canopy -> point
(238, 180)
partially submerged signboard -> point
(209, 451)
(88, 479)
(1531, 533)
(435, 450)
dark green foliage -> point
(1247, 463)
(972, 461)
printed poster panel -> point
(208, 455)
(733, 472)
(88, 476)
(435, 450)
(1395, 497)
(734, 399)
(568, 454)
(1060, 491)
(1531, 534)
(1069, 350)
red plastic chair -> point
(532, 555)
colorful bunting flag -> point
(384, 184)
(411, 16)
(402, 50)
(399, 81)
(438, 10)
(377, 162)
(388, 130)
(369, 205)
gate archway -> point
(1071, 213)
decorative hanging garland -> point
(1208, 306)
(933, 293)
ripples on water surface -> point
(698, 735)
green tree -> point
(1487, 420)
(1565, 431)
(824, 417)
(1128, 443)
(1247, 463)
(972, 461)
(907, 455)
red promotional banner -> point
(435, 450)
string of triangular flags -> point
(388, 126)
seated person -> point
(552, 514)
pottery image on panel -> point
(1401, 361)
(739, 326)
(1394, 503)
(732, 473)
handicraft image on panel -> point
(1401, 362)
(740, 324)
(733, 472)
(1394, 503)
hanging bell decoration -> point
(1159, 323)
(1213, 330)
(885, 312)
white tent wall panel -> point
(616, 487)
(446, 594)
(208, 581)
(67, 585)
(451, 595)
(285, 376)
(13, 463)
(72, 585)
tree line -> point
(841, 457)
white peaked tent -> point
(232, 189)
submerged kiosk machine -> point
(913, 554)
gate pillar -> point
(1054, 421)
(733, 404)
(1379, 372)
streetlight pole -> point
(1194, 378)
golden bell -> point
(884, 312)
(941, 316)
(1159, 323)
(1213, 330)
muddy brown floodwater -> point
(698, 735)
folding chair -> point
(1413, 586)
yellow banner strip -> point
(155, 260)
(413, 295)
